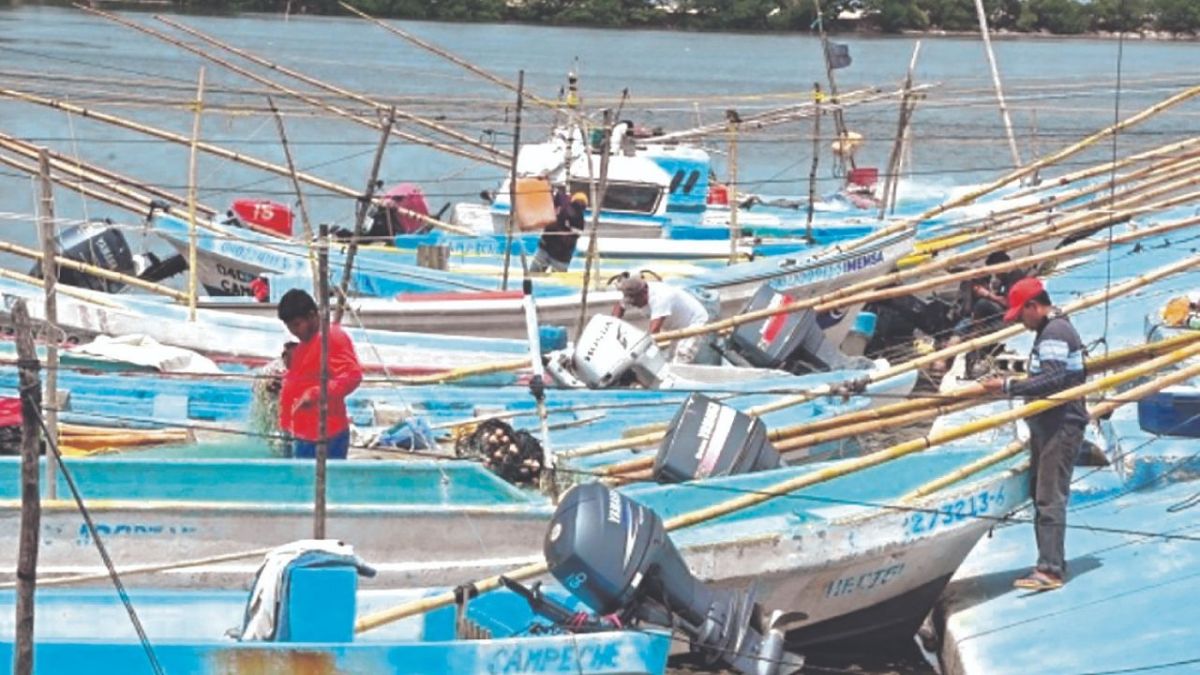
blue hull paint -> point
(87, 632)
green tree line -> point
(1062, 17)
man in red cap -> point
(1055, 435)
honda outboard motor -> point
(794, 341)
(99, 244)
(708, 438)
(614, 555)
(609, 348)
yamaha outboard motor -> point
(793, 341)
(99, 244)
(708, 438)
(614, 555)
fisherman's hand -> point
(307, 400)
(537, 387)
(992, 385)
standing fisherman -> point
(557, 245)
(1055, 435)
(301, 392)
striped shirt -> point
(1055, 364)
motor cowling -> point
(616, 556)
(609, 348)
(708, 438)
(99, 244)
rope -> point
(1112, 184)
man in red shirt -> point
(301, 391)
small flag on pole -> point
(839, 55)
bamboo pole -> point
(323, 397)
(204, 147)
(93, 173)
(192, 243)
(991, 57)
(512, 183)
(360, 216)
(31, 508)
(735, 232)
(1019, 173)
(656, 433)
(892, 178)
(459, 61)
(784, 115)
(126, 572)
(49, 283)
(843, 468)
(321, 84)
(816, 160)
(100, 272)
(865, 290)
(278, 87)
(839, 119)
(1106, 167)
(119, 202)
(599, 190)
(1096, 412)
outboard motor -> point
(794, 341)
(99, 244)
(708, 438)
(609, 348)
(614, 555)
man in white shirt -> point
(669, 309)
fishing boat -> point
(248, 340)
(501, 313)
(152, 512)
(188, 631)
(984, 626)
(1174, 411)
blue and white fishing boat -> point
(311, 629)
(1122, 579)
(254, 340)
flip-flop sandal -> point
(1039, 581)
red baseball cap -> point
(1022, 292)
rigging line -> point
(1112, 185)
(1146, 668)
(95, 535)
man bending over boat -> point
(1055, 435)
(669, 308)
(557, 245)
(301, 392)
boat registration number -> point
(949, 513)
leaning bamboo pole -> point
(1097, 411)
(794, 437)
(97, 174)
(107, 198)
(876, 288)
(1071, 250)
(340, 91)
(209, 148)
(1114, 291)
(294, 93)
(457, 60)
(1021, 172)
(99, 272)
(1106, 167)
(784, 487)
(1027, 215)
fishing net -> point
(515, 456)
(264, 406)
